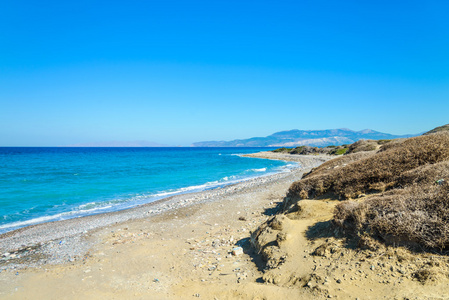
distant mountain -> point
(295, 137)
(120, 144)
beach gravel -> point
(69, 240)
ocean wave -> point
(133, 200)
(56, 217)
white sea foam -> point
(92, 208)
(77, 212)
(34, 221)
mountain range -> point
(295, 137)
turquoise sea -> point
(47, 184)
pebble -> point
(48, 239)
(237, 251)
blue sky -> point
(177, 72)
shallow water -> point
(47, 184)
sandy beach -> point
(186, 224)
(187, 246)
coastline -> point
(159, 250)
(306, 161)
(78, 188)
(226, 243)
(69, 234)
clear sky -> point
(177, 72)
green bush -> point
(282, 150)
(341, 151)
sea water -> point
(48, 184)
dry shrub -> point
(423, 275)
(366, 242)
(338, 162)
(412, 176)
(303, 194)
(426, 174)
(415, 216)
(363, 145)
(318, 182)
(355, 174)
(438, 129)
(306, 150)
(348, 215)
(391, 144)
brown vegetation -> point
(438, 129)
(408, 180)
(375, 172)
(363, 145)
(359, 146)
(307, 150)
(415, 216)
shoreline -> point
(70, 234)
(228, 243)
(89, 189)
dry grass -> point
(415, 216)
(373, 172)
(438, 129)
(363, 145)
(409, 180)
(427, 174)
(359, 146)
